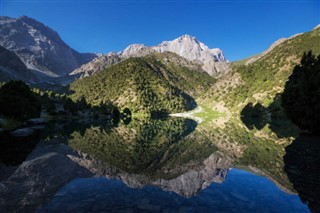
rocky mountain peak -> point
(211, 60)
(189, 47)
(133, 49)
(29, 20)
(183, 41)
(186, 37)
(39, 47)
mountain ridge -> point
(40, 47)
(262, 81)
(212, 61)
(270, 48)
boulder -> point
(23, 132)
(36, 121)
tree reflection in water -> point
(302, 165)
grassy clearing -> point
(140, 115)
(207, 114)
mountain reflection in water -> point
(149, 165)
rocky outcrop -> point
(23, 132)
(36, 121)
(96, 65)
(136, 50)
(39, 47)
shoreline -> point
(189, 114)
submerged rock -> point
(36, 121)
(23, 132)
(37, 127)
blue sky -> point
(239, 28)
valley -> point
(175, 121)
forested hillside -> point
(263, 79)
(154, 83)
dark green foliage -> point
(254, 116)
(70, 106)
(302, 165)
(127, 112)
(18, 101)
(301, 96)
(267, 75)
(144, 85)
(115, 112)
(56, 104)
(251, 110)
(14, 150)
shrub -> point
(301, 96)
(18, 101)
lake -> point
(159, 165)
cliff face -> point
(192, 49)
(39, 47)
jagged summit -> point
(39, 47)
(192, 49)
(42, 50)
(189, 47)
(135, 50)
(212, 61)
(186, 37)
(27, 18)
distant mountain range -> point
(44, 53)
(212, 61)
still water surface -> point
(162, 165)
